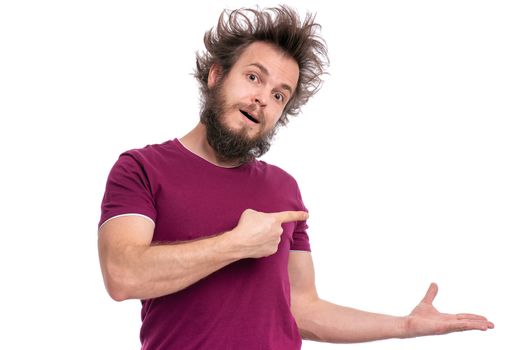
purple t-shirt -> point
(244, 305)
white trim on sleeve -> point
(126, 214)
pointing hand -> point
(258, 234)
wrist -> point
(403, 327)
(227, 246)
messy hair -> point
(280, 26)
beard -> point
(232, 146)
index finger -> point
(289, 216)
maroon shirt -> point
(244, 305)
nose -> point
(259, 99)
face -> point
(243, 108)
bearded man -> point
(214, 241)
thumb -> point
(431, 293)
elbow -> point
(117, 292)
(308, 324)
(308, 333)
(119, 282)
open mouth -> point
(249, 116)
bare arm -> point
(133, 268)
(324, 321)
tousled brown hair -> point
(280, 26)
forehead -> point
(281, 68)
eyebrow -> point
(266, 72)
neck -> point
(196, 142)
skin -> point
(247, 83)
(133, 268)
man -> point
(213, 241)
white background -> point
(410, 159)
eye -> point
(252, 77)
(279, 97)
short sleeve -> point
(300, 237)
(128, 191)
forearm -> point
(144, 272)
(133, 268)
(328, 322)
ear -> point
(213, 76)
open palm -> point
(425, 319)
